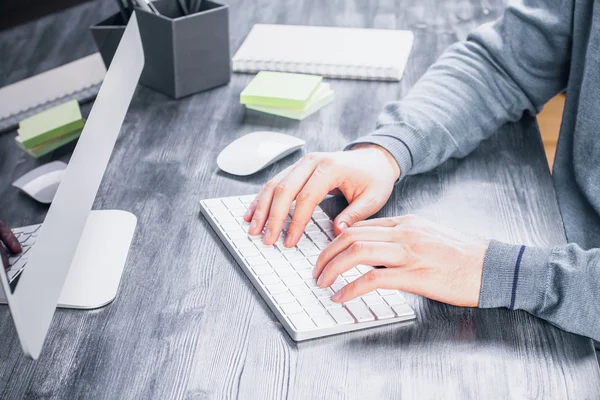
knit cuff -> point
(514, 277)
(401, 140)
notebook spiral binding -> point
(363, 71)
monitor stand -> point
(95, 273)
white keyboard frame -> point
(296, 335)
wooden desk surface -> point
(188, 324)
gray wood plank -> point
(188, 324)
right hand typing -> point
(365, 175)
(8, 243)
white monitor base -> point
(95, 274)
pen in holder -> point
(184, 54)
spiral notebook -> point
(349, 53)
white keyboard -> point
(284, 279)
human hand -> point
(421, 257)
(365, 175)
(8, 244)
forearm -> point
(501, 71)
(560, 285)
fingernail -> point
(320, 280)
(336, 296)
(267, 235)
(289, 239)
(342, 225)
(315, 272)
(252, 226)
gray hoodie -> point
(512, 66)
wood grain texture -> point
(188, 324)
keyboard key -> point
(360, 312)
(321, 245)
(230, 226)
(247, 199)
(301, 322)
(313, 311)
(382, 311)
(242, 243)
(279, 264)
(372, 299)
(311, 283)
(330, 234)
(264, 269)
(310, 227)
(293, 256)
(271, 254)
(300, 290)
(351, 272)
(231, 202)
(255, 261)
(269, 279)
(394, 299)
(284, 298)
(324, 321)
(306, 274)
(291, 281)
(403, 310)
(320, 216)
(363, 269)
(284, 272)
(318, 236)
(322, 292)
(301, 265)
(224, 218)
(249, 252)
(326, 225)
(352, 278)
(341, 315)
(306, 301)
(291, 308)
(276, 288)
(318, 209)
(328, 303)
(311, 250)
(336, 287)
(312, 260)
(386, 292)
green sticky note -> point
(49, 146)
(280, 89)
(50, 124)
(323, 96)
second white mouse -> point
(255, 151)
(42, 183)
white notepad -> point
(351, 53)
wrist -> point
(389, 157)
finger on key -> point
(349, 236)
(315, 190)
(375, 279)
(263, 203)
(9, 239)
(284, 195)
(366, 253)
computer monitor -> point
(74, 262)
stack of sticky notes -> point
(50, 129)
(285, 94)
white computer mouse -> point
(255, 151)
(42, 183)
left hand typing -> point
(421, 257)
